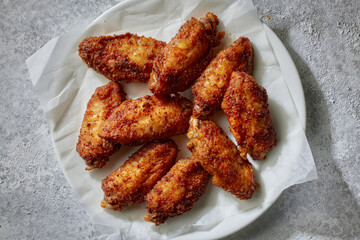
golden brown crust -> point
(130, 183)
(219, 156)
(247, 110)
(177, 191)
(145, 119)
(125, 57)
(90, 146)
(210, 87)
(184, 58)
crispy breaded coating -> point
(125, 57)
(187, 54)
(90, 146)
(130, 183)
(210, 87)
(247, 110)
(219, 156)
(177, 191)
(148, 118)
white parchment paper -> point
(64, 85)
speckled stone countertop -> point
(323, 38)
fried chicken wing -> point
(246, 107)
(125, 57)
(184, 58)
(210, 87)
(177, 191)
(145, 119)
(90, 146)
(219, 156)
(130, 183)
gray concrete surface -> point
(323, 38)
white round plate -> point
(292, 79)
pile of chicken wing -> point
(153, 174)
